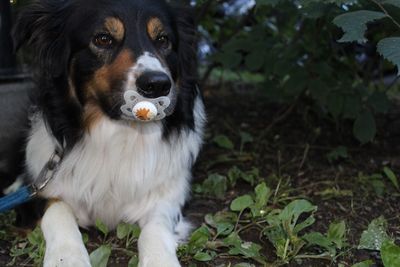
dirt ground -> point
(293, 142)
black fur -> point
(53, 29)
(58, 33)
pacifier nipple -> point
(144, 111)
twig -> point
(386, 12)
(280, 118)
(324, 256)
(305, 154)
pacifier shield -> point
(144, 109)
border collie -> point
(88, 55)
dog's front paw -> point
(66, 256)
(159, 261)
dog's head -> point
(100, 49)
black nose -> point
(153, 84)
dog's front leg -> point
(157, 242)
(64, 245)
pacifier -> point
(140, 108)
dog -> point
(114, 168)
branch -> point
(386, 12)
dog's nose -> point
(153, 84)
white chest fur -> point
(117, 172)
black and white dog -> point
(89, 53)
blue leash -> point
(26, 193)
(22, 195)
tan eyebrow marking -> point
(115, 27)
(154, 27)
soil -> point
(293, 142)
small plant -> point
(126, 233)
(284, 227)
(337, 153)
(332, 242)
(32, 248)
(376, 238)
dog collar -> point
(140, 108)
(26, 193)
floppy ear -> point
(187, 44)
(41, 27)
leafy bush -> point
(297, 50)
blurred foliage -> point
(321, 51)
(302, 54)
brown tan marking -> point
(115, 27)
(101, 83)
(50, 202)
(91, 115)
(104, 77)
(154, 27)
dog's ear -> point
(41, 26)
(187, 43)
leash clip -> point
(47, 173)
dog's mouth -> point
(144, 109)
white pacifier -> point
(144, 109)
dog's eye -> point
(163, 42)
(103, 40)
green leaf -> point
(318, 239)
(364, 128)
(234, 174)
(102, 227)
(224, 228)
(99, 257)
(336, 233)
(354, 24)
(36, 237)
(254, 61)
(390, 254)
(291, 213)
(123, 230)
(202, 256)
(391, 176)
(375, 235)
(389, 49)
(392, 2)
(263, 193)
(223, 141)
(246, 249)
(198, 239)
(246, 137)
(367, 263)
(338, 153)
(134, 261)
(241, 203)
(251, 176)
(229, 59)
(233, 240)
(215, 184)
